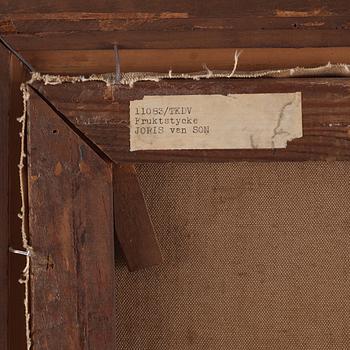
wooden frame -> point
(77, 134)
(29, 25)
(77, 38)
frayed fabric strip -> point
(22, 215)
(339, 70)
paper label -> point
(238, 121)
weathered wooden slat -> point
(213, 8)
(133, 225)
(181, 60)
(30, 25)
(210, 24)
(109, 22)
(4, 191)
(71, 232)
(16, 316)
(288, 8)
(12, 319)
(102, 113)
(42, 6)
(180, 39)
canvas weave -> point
(256, 256)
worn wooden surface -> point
(102, 113)
(16, 314)
(133, 225)
(71, 233)
(42, 25)
(4, 191)
(12, 321)
(181, 60)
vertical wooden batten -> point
(12, 317)
(71, 234)
(4, 191)
(16, 315)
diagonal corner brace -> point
(133, 224)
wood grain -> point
(205, 38)
(16, 316)
(4, 191)
(181, 60)
(90, 6)
(71, 232)
(12, 321)
(213, 8)
(102, 113)
(29, 25)
(166, 21)
(133, 225)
